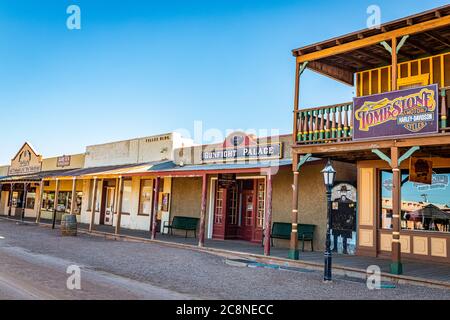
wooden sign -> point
(420, 170)
(63, 161)
(26, 161)
(226, 180)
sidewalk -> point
(436, 273)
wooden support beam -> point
(342, 74)
(73, 203)
(119, 205)
(293, 245)
(296, 100)
(366, 42)
(201, 236)
(408, 154)
(419, 46)
(10, 199)
(394, 64)
(55, 203)
(93, 204)
(155, 207)
(39, 202)
(438, 38)
(396, 265)
(24, 200)
(268, 217)
(371, 55)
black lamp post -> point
(328, 176)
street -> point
(34, 262)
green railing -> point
(332, 124)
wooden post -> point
(74, 196)
(201, 235)
(155, 207)
(396, 265)
(10, 199)
(268, 218)
(55, 204)
(24, 200)
(443, 110)
(39, 202)
(293, 248)
(93, 204)
(119, 205)
(394, 64)
(296, 101)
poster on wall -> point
(396, 113)
(343, 210)
(420, 170)
(226, 180)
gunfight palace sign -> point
(255, 152)
(397, 113)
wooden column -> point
(268, 217)
(24, 200)
(201, 236)
(93, 204)
(10, 199)
(443, 110)
(155, 207)
(55, 204)
(396, 265)
(293, 247)
(394, 64)
(39, 202)
(119, 205)
(296, 100)
(74, 196)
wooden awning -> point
(341, 57)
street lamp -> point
(328, 178)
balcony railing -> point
(334, 124)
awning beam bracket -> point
(303, 160)
(302, 68)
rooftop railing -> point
(334, 123)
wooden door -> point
(109, 205)
(220, 209)
(248, 215)
(260, 205)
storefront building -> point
(396, 132)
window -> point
(233, 213)
(97, 200)
(261, 204)
(423, 207)
(126, 199)
(145, 198)
(48, 200)
(31, 198)
(218, 214)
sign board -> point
(63, 161)
(255, 152)
(26, 161)
(397, 113)
(420, 170)
(226, 180)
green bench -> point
(283, 230)
(183, 223)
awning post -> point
(74, 196)
(155, 208)
(119, 205)
(201, 236)
(268, 217)
(55, 204)
(93, 204)
(39, 202)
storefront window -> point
(48, 200)
(126, 200)
(31, 198)
(423, 207)
(98, 198)
(261, 204)
(145, 200)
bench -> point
(183, 223)
(282, 230)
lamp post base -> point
(293, 254)
(396, 268)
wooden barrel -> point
(69, 225)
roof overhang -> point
(340, 57)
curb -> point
(229, 254)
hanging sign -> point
(420, 170)
(397, 113)
(226, 180)
(260, 151)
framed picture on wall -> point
(165, 202)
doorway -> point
(108, 203)
(239, 210)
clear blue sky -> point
(139, 68)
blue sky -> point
(139, 68)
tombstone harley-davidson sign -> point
(397, 113)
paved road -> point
(33, 263)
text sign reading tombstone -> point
(397, 113)
(226, 180)
(256, 152)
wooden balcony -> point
(334, 124)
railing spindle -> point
(339, 123)
(443, 110)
